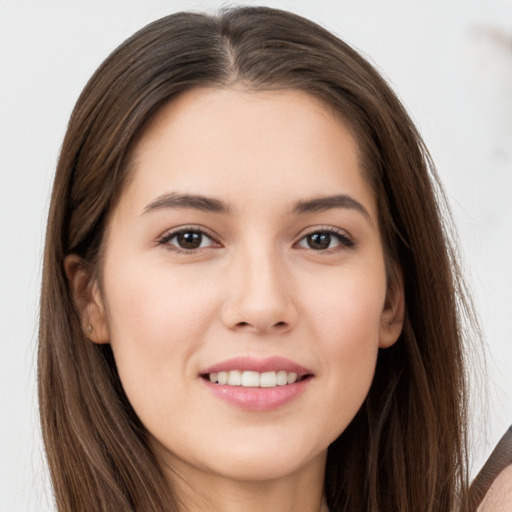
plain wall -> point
(450, 61)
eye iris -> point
(189, 240)
(319, 240)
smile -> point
(251, 379)
(254, 384)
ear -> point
(392, 319)
(87, 297)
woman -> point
(249, 296)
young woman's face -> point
(245, 247)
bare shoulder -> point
(499, 495)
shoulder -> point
(491, 491)
(499, 496)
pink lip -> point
(252, 364)
(258, 399)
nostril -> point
(278, 325)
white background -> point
(450, 61)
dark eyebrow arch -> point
(209, 204)
(188, 201)
(327, 203)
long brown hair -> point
(405, 451)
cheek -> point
(346, 319)
(156, 321)
(347, 309)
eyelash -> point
(345, 241)
(166, 238)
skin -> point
(499, 496)
(256, 288)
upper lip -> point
(268, 364)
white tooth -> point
(291, 377)
(222, 377)
(213, 377)
(268, 380)
(282, 378)
(234, 378)
(251, 379)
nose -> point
(260, 295)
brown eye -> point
(189, 239)
(319, 241)
(324, 240)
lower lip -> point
(258, 399)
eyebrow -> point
(328, 203)
(209, 204)
(188, 202)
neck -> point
(300, 491)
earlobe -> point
(87, 298)
(392, 319)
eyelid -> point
(345, 238)
(171, 233)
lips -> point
(269, 364)
(257, 384)
(250, 379)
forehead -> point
(245, 144)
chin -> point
(250, 458)
(262, 467)
(266, 456)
